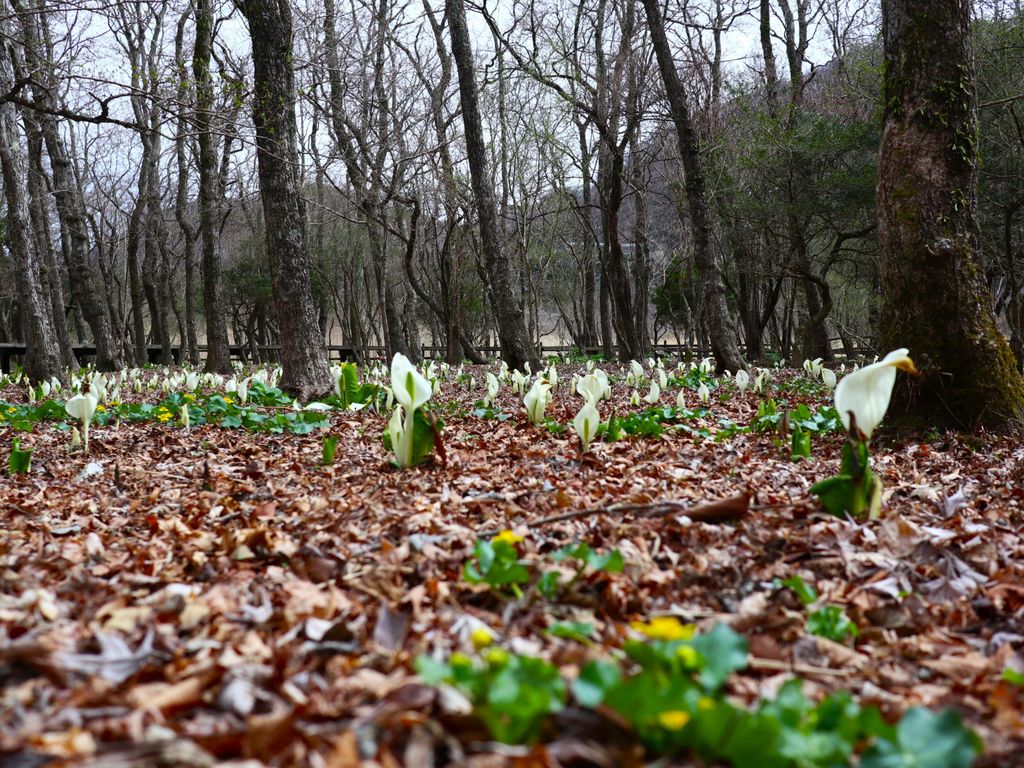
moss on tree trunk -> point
(936, 301)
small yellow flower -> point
(112, 404)
(673, 719)
(188, 397)
(165, 416)
(100, 408)
(459, 659)
(481, 637)
(228, 400)
(687, 655)
(665, 628)
(508, 537)
(705, 703)
(496, 657)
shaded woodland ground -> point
(183, 596)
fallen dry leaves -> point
(223, 597)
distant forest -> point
(132, 189)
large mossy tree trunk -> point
(303, 354)
(504, 296)
(935, 301)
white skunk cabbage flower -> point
(519, 382)
(82, 407)
(828, 378)
(704, 393)
(707, 365)
(636, 369)
(681, 400)
(186, 418)
(654, 395)
(536, 401)
(76, 438)
(411, 391)
(242, 390)
(866, 392)
(662, 378)
(742, 380)
(552, 376)
(602, 377)
(586, 423)
(492, 389)
(634, 398)
(761, 380)
(410, 388)
(44, 388)
(31, 394)
(590, 388)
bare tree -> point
(43, 358)
(516, 348)
(303, 353)
(724, 344)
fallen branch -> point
(722, 510)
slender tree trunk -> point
(85, 289)
(724, 342)
(303, 353)
(218, 359)
(40, 218)
(133, 246)
(181, 212)
(935, 301)
(506, 305)
(43, 353)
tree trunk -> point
(218, 359)
(40, 217)
(516, 349)
(85, 289)
(724, 343)
(43, 354)
(935, 301)
(303, 353)
(181, 212)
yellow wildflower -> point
(673, 719)
(228, 400)
(687, 655)
(188, 397)
(100, 408)
(508, 537)
(665, 628)
(705, 703)
(497, 657)
(481, 637)
(165, 416)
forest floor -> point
(187, 597)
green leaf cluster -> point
(855, 490)
(511, 694)
(671, 693)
